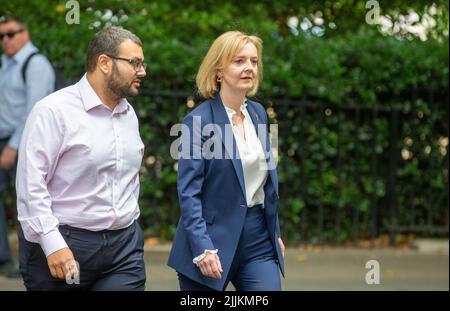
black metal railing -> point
(390, 211)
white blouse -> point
(252, 157)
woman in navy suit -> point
(227, 181)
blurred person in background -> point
(26, 76)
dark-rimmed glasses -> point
(136, 63)
(10, 34)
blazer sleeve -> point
(190, 182)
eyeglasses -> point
(10, 34)
(136, 63)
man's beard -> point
(117, 85)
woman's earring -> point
(219, 79)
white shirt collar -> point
(90, 98)
(231, 112)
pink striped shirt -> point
(78, 165)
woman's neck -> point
(232, 100)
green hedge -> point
(352, 66)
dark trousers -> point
(109, 260)
(6, 178)
(254, 266)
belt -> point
(256, 206)
(81, 230)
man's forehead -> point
(130, 49)
(12, 25)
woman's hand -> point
(210, 266)
(283, 249)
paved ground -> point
(326, 269)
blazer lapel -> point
(220, 118)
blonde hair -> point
(219, 55)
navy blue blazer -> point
(211, 193)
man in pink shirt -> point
(78, 176)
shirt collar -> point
(20, 56)
(24, 52)
(91, 100)
(230, 111)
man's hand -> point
(281, 244)
(59, 263)
(8, 157)
(210, 266)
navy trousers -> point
(109, 260)
(254, 266)
(6, 178)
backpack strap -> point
(25, 66)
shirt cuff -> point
(199, 258)
(52, 242)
